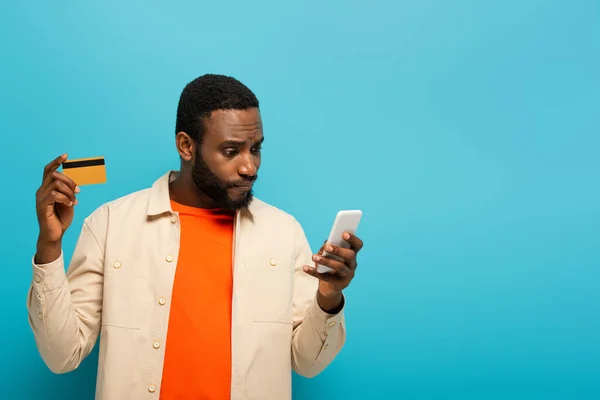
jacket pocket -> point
(123, 299)
(271, 286)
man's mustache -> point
(243, 182)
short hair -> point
(206, 94)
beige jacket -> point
(119, 284)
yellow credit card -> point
(86, 171)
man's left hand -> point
(332, 283)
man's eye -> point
(229, 152)
(256, 149)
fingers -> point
(65, 189)
(347, 255)
(355, 243)
(341, 260)
(334, 277)
(57, 187)
(54, 196)
(59, 177)
(335, 265)
(313, 272)
(53, 165)
(59, 192)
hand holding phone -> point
(345, 221)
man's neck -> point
(183, 190)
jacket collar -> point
(160, 199)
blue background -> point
(467, 131)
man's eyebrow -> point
(233, 142)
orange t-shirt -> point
(198, 347)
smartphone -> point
(345, 221)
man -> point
(197, 289)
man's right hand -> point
(55, 200)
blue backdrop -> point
(467, 131)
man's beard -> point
(210, 185)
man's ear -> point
(186, 146)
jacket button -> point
(273, 262)
(152, 388)
(117, 264)
(169, 258)
(162, 301)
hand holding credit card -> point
(56, 198)
(85, 171)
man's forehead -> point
(238, 125)
(249, 116)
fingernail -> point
(305, 268)
(77, 190)
(316, 258)
(76, 201)
(346, 236)
(328, 248)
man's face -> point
(227, 161)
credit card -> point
(86, 171)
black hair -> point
(206, 94)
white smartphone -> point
(345, 221)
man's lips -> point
(243, 187)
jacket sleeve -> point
(65, 308)
(318, 336)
